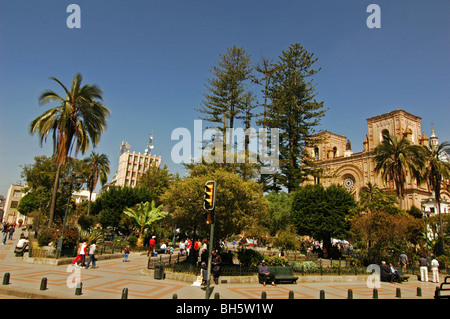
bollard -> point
(419, 292)
(322, 294)
(6, 278)
(263, 295)
(375, 293)
(350, 294)
(125, 293)
(174, 296)
(216, 295)
(291, 294)
(78, 290)
(398, 293)
(43, 284)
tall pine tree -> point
(294, 111)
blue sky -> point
(152, 59)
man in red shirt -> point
(151, 247)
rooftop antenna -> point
(150, 146)
(124, 147)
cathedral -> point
(333, 154)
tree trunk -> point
(54, 193)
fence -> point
(50, 252)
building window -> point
(17, 194)
(348, 183)
(316, 153)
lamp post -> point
(425, 215)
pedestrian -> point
(435, 269)
(204, 273)
(182, 247)
(215, 263)
(92, 255)
(151, 247)
(83, 253)
(11, 232)
(78, 257)
(5, 232)
(403, 261)
(127, 252)
(188, 246)
(423, 262)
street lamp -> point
(425, 215)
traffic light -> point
(210, 195)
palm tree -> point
(97, 168)
(437, 170)
(78, 120)
(145, 215)
(395, 158)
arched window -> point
(383, 134)
(316, 153)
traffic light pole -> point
(210, 249)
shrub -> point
(132, 240)
(249, 257)
(306, 266)
(275, 261)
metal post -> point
(125, 293)
(208, 273)
(6, 278)
(350, 294)
(43, 284)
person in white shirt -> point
(91, 255)
(435, 269)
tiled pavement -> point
(113, 275)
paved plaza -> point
(113, 275)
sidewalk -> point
(113, 276)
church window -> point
(348, 183)
(316, 153)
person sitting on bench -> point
(265, 275)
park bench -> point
(402, 277)
(282, 274)
(445, 286)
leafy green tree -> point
(436, 171)
(78, 120)
(239, 203)
(156, 179)
(110, 204)
(144, 216)
(97, 167)
(323, 213)
(280, 211)
(372, 198)
(378, 233)
(395, 158)
(40, 177)
(294, 110)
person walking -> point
(403, 261)
(435, 269)
(182, 247)
(5, 232)
(215, 263)
(127, 252)
(423, 262)
(91, 256)
(83, 253)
